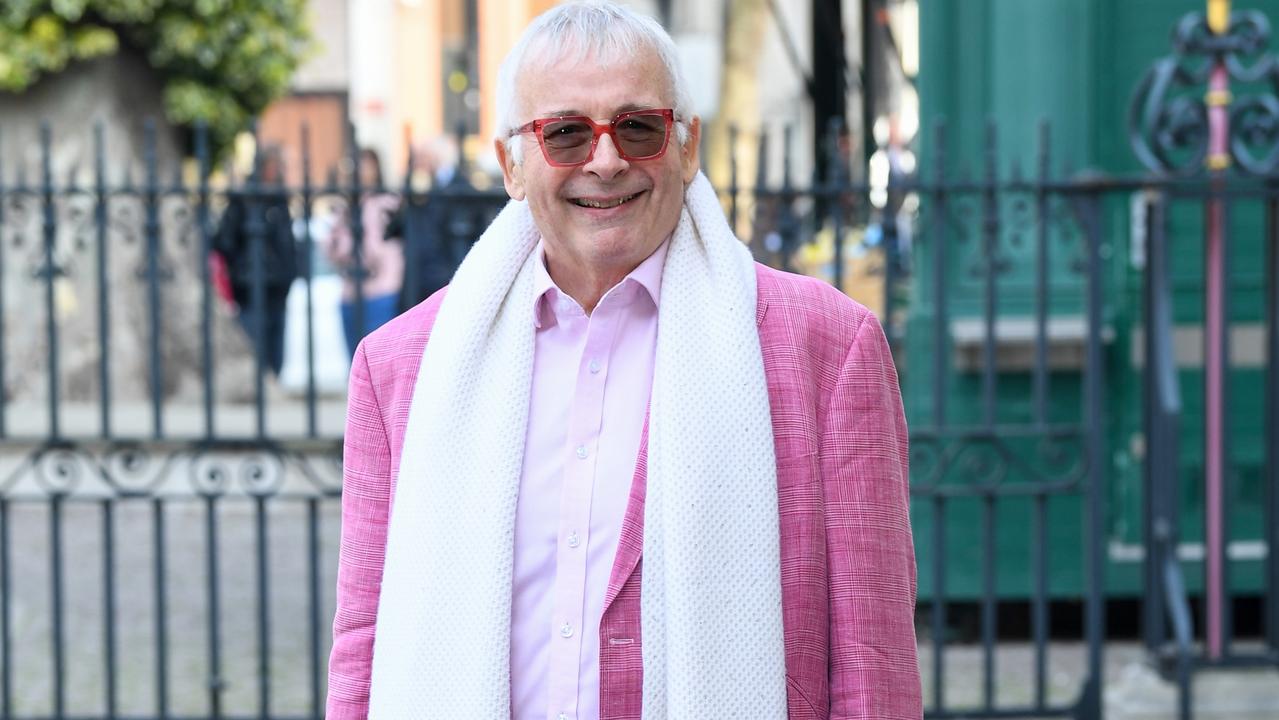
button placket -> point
(575, 507)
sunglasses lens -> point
(568, 141)
(641, 136)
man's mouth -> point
(603, 204)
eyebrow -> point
(628, 107)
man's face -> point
(608, 240)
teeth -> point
(583, 202)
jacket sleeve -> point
(874, 671)
(366, 500)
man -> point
(255, 240)
(434, 241)
(616, 469)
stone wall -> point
(120, 93)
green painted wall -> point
(1075, 65)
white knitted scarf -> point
(710, 600)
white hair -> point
(596, 29)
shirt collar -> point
(648, 275)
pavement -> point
(1133, 690)
(1138, 693)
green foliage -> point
(222, 61)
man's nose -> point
(606, 163)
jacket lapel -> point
(631, 540)
(630, 544)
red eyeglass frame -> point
(609, 128)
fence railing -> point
(169, 498)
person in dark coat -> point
(437, 226)
(257, 224)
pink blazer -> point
(848, 563)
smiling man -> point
(616, 469)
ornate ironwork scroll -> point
(1168, 126)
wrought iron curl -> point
(59, 469)
(1168, 117)
(1021, 218)
(130, 469)
(124, 218)
(209, 475)
(1056, 462)
(961, 214)
(79, 219)
(927, 460)
(983, 461)
(165, 271)
(181, 224)
(22, 218)
(1255, 124)
(1063, 217)
(1055, 458)
(18, 215)
(1194, 40)
(1249, 36)
(261, 473)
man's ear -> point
(512, 173)
(688, 154)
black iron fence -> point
(169, 502)
(1003, 351)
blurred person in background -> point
(257, 225)
(379, 272)
(432, 250)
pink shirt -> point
(591, 381)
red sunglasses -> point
(570, 140)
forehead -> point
(593, 85)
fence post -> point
(151, 231)
(1155, 301)
(1095, 525)
(1039, 605)
(308, 250)
(49, 273)
(355, 212)
(1271, 514)
(255, 228)
(941, 348)
(104, 296)
(835, 189)
(206, 279)
(3, 402)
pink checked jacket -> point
(848, 564)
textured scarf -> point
(710, 601)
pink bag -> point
(220, 277)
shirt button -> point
(581, 452)
(566, 630)
(594, 366)
(563, 717)
(573, 540)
